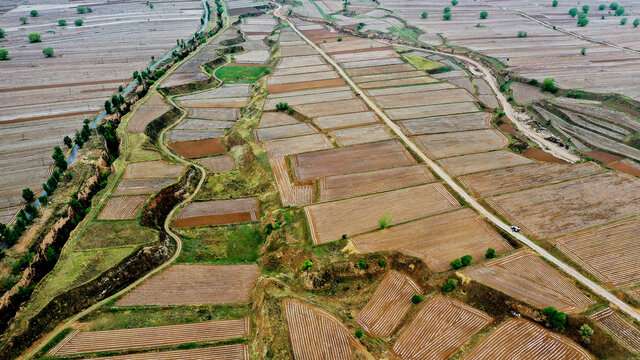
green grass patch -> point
(425, 64)
(102, 234)
(221, 244)
(224, 185)
(408, 33)
(240, 74)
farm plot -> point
(216, 212)
(360, 44)
(80, 342)
(599, 111)
(197, 124)
(366, 157)
(285, 131)
(316, 84)
(401, 100)
(290, 194)
(300, 61)
(184, 284)
(316, 334)
(299, 144)
(522, 177)
(152, 169)
(302, 69)
(198, 148)
(177, 135)
(380, 77)
(562, 208)
(328, 221)
(349, 185)
(363, 56)
(276, 119)
(608, 252)
(217, 164)
(439, 329)
(331, 108)
(331, 94)
(388, 305)
(438, 239)
(445, 124)
(141, 186)
(228, 114)
(616, 325)
(361, 135)
(431, 110)
(223, 352)
(460, 143)
(288, 79)
(526, 277)
(152, 109)
(122, 207)
(369, 63)
(398, 82)
(221, 92)
(467, 164)
(371, 70)
(524, 93)
(345, 120)
(522, 339)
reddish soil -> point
(624, 167)
(280, 88)
(213, 220)
(320, 34)
(509, 130)
(361, 50)
(198, 148)
(538, 154)
(605, 157)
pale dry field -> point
(122, 207)
(361, 134)
(621, 329)
(418, 98)
(345, 120)
(431, 110)
(222, 352)
(218, 212)
(297, 145)
(471, 163)
(217, 164)
(446, 124)
(460, 143)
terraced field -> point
(620, 328)
(122, 207)
(223, 352)
(218, 212)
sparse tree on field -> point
(602, 17)
(549, 84)
(450, 285)
(107, 106)
(466, 260)
(585, 332)
(636, 22)
(456, 264)
(4, 54)
(454, 2)
(81, 10)
(583, 51)
(35, 37)
(23, 20)
(48, 52)
(33, 13)
(602, 7)
(359, 334)
(620, 11)
(416, 299)
(623, 21)
(556, 319)
(554, 3)
(1, 33)
(68, 141)
(89, 10)
(151, 6)
(308, 264)
(583, 21)
(573, 12)
(483, 14)
(424, 15)
(613, 6)
(490, 254)
(522, 34)
(585, 8)
(78, 22)
(385, 221)
(62, 22)
(28, 195)
(447, 9)
(446, 16)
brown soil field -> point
(331, 108)
(230, 114)
(297, 50)
(361, 135)
(522, 339)
(223, 352)
(422, 98)
(526, 277)
(296, 78)
(541, 155)
(408, 89)
(141, 186)
(79, 342)
(316, 334)
(152, 170)
(284, 131)
(221, 93)
(438, 239)
(198, 148)
(152, 109)
(389, 76)
(388, 305)
(605, 157)
(293, 100)
(625, 167)
(522, 177)
(122, 207)
(349, 185)
(305, 85)
(558, 209)
(217, 164)
(489, 101)
(608, 252)
(439, 329)
(379, 69)
(290, 194)
(216, 212)
(467, 164)
(524, 93)
(276, 119)
(328, 221)
(397, 82)
(345, 120)
(623, 331)
(431, 110)
(184, 284)
(358, 158)
(302, 69)
(300, 144)
(460, 143)
(445, 124)
(211, 104)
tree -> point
(23, 20)
(447, 9)
(382, 262)
(446, 16)
(613, 6)
(585, 332)
(308, 264)
(28, 195)
(68, 141)
(623, 21)
(385, 221)
(490, 254)
(522, 34)
(583, 51)
(78, 22)
(48, 52)
(585, 8)
(549, 84)
(283, 106)
(466, 260)
(35, 37)
(33, 13)
(424, 15)
(456, 264)
(483, 14)
(4, 54)
(107, 107)
(416, 299)
(573, 12)
(583, 21)
(2, 33)
(620, 11)
(43, 199)
(151, 6)
(554, 3)
(454, 2)
(602, 7)
(450, 285)
(636, 22)
(556, 319)
(81, 10)
(359, 334)
(362, 264)
(62, 22)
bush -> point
(450, 285)
(446, 16)
(620, 11)
(490, 254)
(416, 299)
(556, 319)
(585, 8)
(362, 264)
(522, 34)
(483, 14)
(549, 84)
(23, 20)
(602, 7)
(466, 260)
(554, 3)
(283, 106)
(48, 52)
(359, 334)
(636, 22)
(447, 9)
(613, 6)
(382, 262)
(35, 37)
(454, 2)
(583, 21)
(33, 13)
(2, 33)
(623, 21)
(308, 264)
(585, 332)
(385, 221)
(62, 22)
(583, 51)
(456, 264)
(78, 22)
(81, 10)
(424, 15)
(4, 54)
(339, 39)
(533, 82)
(573, 12)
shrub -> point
(620, 11)
(4, 54)
(339, 39)
(623, 21)
(81, 10)
(483, 14)
(450, 285)
(48, 52)
(636, 22)
(490, 254)
(533, 82)
(585, 8)
(456, 264)
(78, 22)
(466, 260)
(385, 221)
(583, 21)
(602, 7)
(283, 106)
(382, 262)
(549, 84)
(416, 299)
(556, 319)
(23, 20)
(28, 195)
(522, 34)
(554, 3)
(35, 37)
(33, 13)
(308, 264)
(362, 264)
(613, 6)
(585, 332)
(602, 17)
(447, 9)
(424, 15)
(2, 33)
(359, 334)
(573, 12)
(583, 51)
(454, 2)
(446, 16)
(62, 22)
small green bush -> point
(78, 22)
(23, 20)
(522, 34)
(48, 52)
(62, 22)
(33, 13)
(613, 6)
(602, 7)
(585, 8)
(483, 14)
(308, 264)
(385, 221)
(446, 16)
(4, 54)
(556, 319)
(359, 334)
(623, 21)
(490, 254)
(416, 299)
(554, 3)
(362, 264)
(466, 260)
(424, 15)
(382, 262)
(456, 264)
(636, 22)
(35, 37)
(2, 33)
(450, 285)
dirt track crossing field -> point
(620, 328)
(224, 352)
(195, 284)
(80, 342)
(388, 305)
(316, 334)
(439, 329)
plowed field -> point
(152, 169)
(141, 186)
(445, 124)
(152, 109)
(621, 329)
(276, 119)
(218, 163)
(345, 120)
(297, 145)
(331, 108)
(467, 164)
(198, 148)
(460, 143)
(224, 352)
(122, 207)
(285, 131)
(431, 110)
(379, 69)
(421, 98)
(218, 212)
(290, 194)
(361, 134)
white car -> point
(515, 229)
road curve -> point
(595, 288)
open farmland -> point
(79, 342)
(290, 194)
(388, 305)
(526, 277)
(620, 328)
(437, 240)
(608, 252)
(562, 208)
(195, 284)
(522, 339)
(445, 124)
(122, 207)
(217, 164)
(150, 110)
(329, 221)
(296, 145)
(316, 334)
(218, 212)
(439, 329)
(361, 134)
(467, 164)
(223, 352)
(460, 143)
(147, 177)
